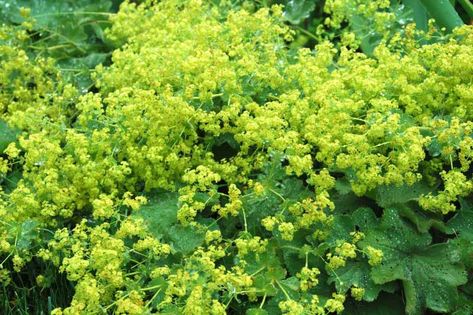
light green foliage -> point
(429, 273)
(216, 170)
(295, 11)
(461, 222)
(72, 32)
(7, 135)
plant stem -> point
(262, 302)
(283, 291)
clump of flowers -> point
(216, 170)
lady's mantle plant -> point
(216, 171)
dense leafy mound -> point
(212, 169)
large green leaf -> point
(419, 13)
(268, 271)
(24, 233)
(430, 274)
(388, 195)
(281, 191)
(357, 273)
(404, 198)
(462, 222)
(46, 12)
(67, 23)
(296, 11)
(462, 226)
(185, 238)
(444, 13)
(369, 39)
(361, 219)
(7, 135)
(160, 215)
(465, 305)
(422, 220)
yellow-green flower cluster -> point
(335, 304)
(375, 256)
(357, 293)
(199, 101)
(342, 252)
(308, 278)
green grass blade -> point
(467, 6)
(443, 12)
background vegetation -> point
(181, 157)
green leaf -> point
(430, 274)
(343, 225)
(267, 269)
(264, 286)
(434, 148)
(388, 195)
(25, 233)
(357, 273)
(346, 203)
(160, 215)
(444, 13)
(423, 221)
(344, 199)
(289, 286)
(77, 70)
(281, 191)
(170, 310)
(224, 146)
(465, 305)
(462, 222)
(369, 40)
(296, 11)
(161, 285)
(11, 180)
(462, 226)
(53, 13)
(419, 13)
(7, 135)
(185, 238)
(256, 311)
(294, 256)
(341, 228)
(343, 186)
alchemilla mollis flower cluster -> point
(213, 168)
